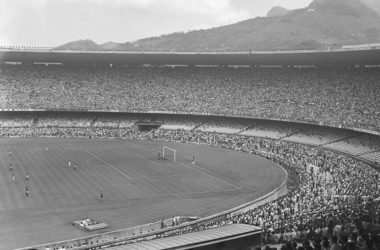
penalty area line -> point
(114, 168)
(196, 168)
(145, 158)
(203, 171)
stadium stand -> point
(114, 121)
(319, 135)
(16, 120)
(222, 125)
(373, 156)
(357, 145)
(267, 129)
(58, 120)
(332, 178)
(214, 238)
(330, 182)
(181, 122)
(122, 125)
(335, 97)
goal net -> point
(169, 153)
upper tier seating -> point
(345, 97)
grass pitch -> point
(138, 187)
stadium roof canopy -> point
(291, 58)
(196, 239)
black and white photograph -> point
(190, 124)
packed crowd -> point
(60, 120)
(353, 242)
(332, 208)
(334, 198)
(347, 97)
(330, 183)
(34, 132)
(119, 125)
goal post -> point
(169, 153)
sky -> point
(55, 22)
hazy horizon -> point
(55, 22)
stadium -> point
(170, 150)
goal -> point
(169, 153)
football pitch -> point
(137, 186)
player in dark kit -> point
(11, 167)
(26, 191)
(101, 195)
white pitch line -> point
(114, 168)
(143, 157)
(203, 171)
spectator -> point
(334, 244)
(330, 186)
(337, 97)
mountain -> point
(110, 45)
(277, 11)
(323, 23)
(80, 45)
(354, 8)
